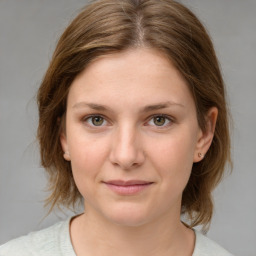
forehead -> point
(137, 75)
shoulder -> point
(48, 241)
(206, 247)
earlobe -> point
(66, 156)
(64, 145)
(205, 137)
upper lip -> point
(127, 183)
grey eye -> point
(159, 120)
(97, 120)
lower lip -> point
(128, 190)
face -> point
(132, 136)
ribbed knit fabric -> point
(52, 241)
(55, 241)
(206, 247)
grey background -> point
(28, 32)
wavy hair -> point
(110, 26)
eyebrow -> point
(91, 105)
(147, 108)
(161, 106)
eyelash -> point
(167, 119)
(94, 116)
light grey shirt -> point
(55, 241)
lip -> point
(127, 183)
(129, 187)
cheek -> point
(87, 157)
(173, 156)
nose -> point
(127, 150)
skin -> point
(146, 129)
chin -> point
(128, 216)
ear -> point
(205, 138)
(64, 145)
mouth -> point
(130, 187)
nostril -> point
(126, 151)
(127, 161)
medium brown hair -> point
(109, 26)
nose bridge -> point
(126, 148)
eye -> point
(160, 121)
(96, 121)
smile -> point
(131, 187)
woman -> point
(133, 124)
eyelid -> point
(85, 118)
(169, 118)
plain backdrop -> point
(29, 30)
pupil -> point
(159, 120)
(97, 120)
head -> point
(108, 27)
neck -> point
(93, 235)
